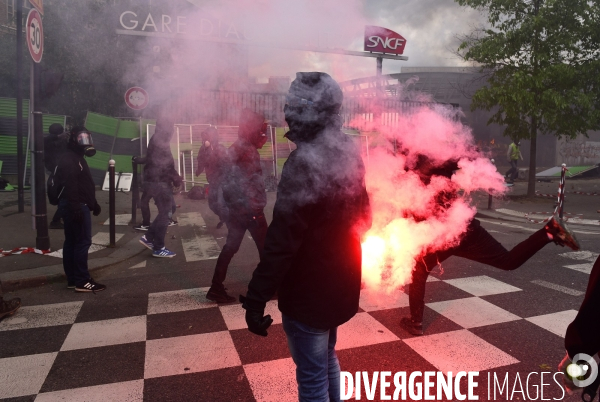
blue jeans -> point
(162, 194)
(78, 239)
(317, 365)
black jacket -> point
(215, 161)
(244, 186)
(312, 253)
(583, 334)
(74, 174)
(54, 147)
(159, 164)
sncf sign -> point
(383, 40)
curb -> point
(33, 277)
(510, 218)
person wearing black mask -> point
(77, 200)
(159, 178)
(55, 145)
(475, 244)
(213, 158)
(245, 196)
(312, 255)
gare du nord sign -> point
(156, 23)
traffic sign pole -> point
(35, 43)
(20, 162)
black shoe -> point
(70, 285)
(413, 327)
(173, 222)
(219, 296)
(9, 307)
(56, 225)
(90, 286)
(142, 227)
(561, 234)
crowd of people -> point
(310, 254)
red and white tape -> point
(22, 250)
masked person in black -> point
(312, 255)
(77, 199)
(244, 193)
(159, 178)
(583, 337)
(476, 244)
(213, 158)
(55, 145)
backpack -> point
(54, 189)
(196, 193)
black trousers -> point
(477, 245)
(257, 226)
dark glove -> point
(77, 214)
(256, 319)
(96, 210)
(177, 181)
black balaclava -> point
(312, 104)
(81, 141)
(253, 128)
(210, 135)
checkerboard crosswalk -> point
(181, 346)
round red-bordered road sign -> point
(35, 35)
(136, 98)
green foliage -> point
(542, 58)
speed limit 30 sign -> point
(35, 35)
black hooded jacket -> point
(160, 166)
(212, 159)
(74, 174)
(244, 185)
(312, 253)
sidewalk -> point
(26, 270)
(579, 207)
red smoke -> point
(407, 218)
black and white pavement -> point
(153, 336)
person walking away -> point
(214, 160)
(145, 202)
(55, 145)
(245, 195)
(513, 154)
(77, 200)
(159, 178)
(312, 256)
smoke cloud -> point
(420, 207)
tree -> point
(542, 61)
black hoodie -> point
(312, 253)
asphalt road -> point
(125, 343)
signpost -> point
(35, 43)
(136, 98)
(35, 35)
(385, 41)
